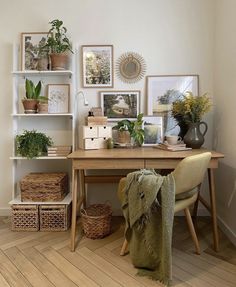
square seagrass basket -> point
(55, 217)
(96, 220)
(24, 217)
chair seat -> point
(183, 203)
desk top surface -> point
(138, 153)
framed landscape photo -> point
(153, 130)
(32, 54)
(97, 66)
(58, 98)
(118, 105)
(163, 90)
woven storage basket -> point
(24, 218)
(44, 186)
(96, 220)
(55, 217)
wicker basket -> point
(24, 218)
(55, 217)
(96, 220)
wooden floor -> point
(44, 259)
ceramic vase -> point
(194, 138)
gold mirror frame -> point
(130, 67)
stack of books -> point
(60, 150)
(176, 147)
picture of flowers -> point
(33, 57)
(162, 91)
(120, 104)
(97, 66)
(58, 98)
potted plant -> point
(130, 131)
(32, 96)
(58, 45)
(32, 144)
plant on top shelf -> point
(32, 144)
(58, 45)
(32, 96)
(128, 130)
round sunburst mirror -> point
(130, 67)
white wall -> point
(173, 36)
(224, 117)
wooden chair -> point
(188, 176)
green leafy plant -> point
(191, 109)
(57, 41)
(32, 144)
(33, 92)
(133, 127)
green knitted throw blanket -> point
(148, 207)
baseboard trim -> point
(227, 230)
(5, 211)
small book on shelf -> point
(64, 148)
(177, 147)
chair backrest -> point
(190, 172)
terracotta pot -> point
(59, 61)
(30, 106)
(43, 108)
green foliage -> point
(57, 41)
(33, 92)
(32, 144)
(191, 109)
(134, 128)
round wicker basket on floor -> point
(96, 220)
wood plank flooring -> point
(43, 259)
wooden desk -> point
(146, 157)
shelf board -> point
(43, 115)
(41, 157)
(66, 200)
(43, 73)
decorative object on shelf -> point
(33, 57)
(162, 91)
(190, 110)
(120, 104)
(58, 45)
(32, 144)
(32, 97)
(130, 67)
(58, 96)
(130, 131)
(153, 130)
(59, 151)
(97, 66)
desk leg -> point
(82, 187)
(74, 208)
(213, 208)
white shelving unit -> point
(60, 127)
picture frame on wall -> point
(153, 130)
(97, 66)
(58, 98)
(33, 57)
(117, 105)
(162, 91)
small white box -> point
(104, 132)
(90, 132)
(91, 143)
(102, 143)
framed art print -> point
(162, 91)
(118, 105)
(32, 54)
(153, 130)
(58, 98)
(97, 66)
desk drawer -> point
(161, 163)
(108, 164)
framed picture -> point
(153, 130)
(32, 56)
(162, 91)
(118, 105)
(58, 98)
(97, 69)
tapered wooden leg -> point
(192, 230)
(195, 208)
(82, 187)
(74, 208)
(123, 248)
(213, 209)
